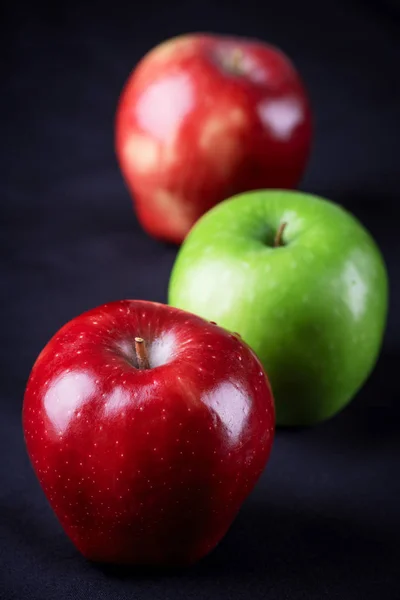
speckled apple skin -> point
(147, 466)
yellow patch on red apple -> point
(219, 139)
(170, 154)
(174, 208)
(236, 118)
(141, 153)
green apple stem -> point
(278, 241)
(141, 354)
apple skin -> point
(147, 466)
(313, 310)
(203, 117)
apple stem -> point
(236, 60)
(278, 241)
(141, 354)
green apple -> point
(304, 284)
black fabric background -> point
(324, 520)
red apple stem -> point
(278, 241)
(141, 354)
(236, 60)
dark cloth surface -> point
(323, 522)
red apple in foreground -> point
(204, 117)
(147, 428)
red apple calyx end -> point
(235, 63)
(231, 61)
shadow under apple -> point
(271, 547)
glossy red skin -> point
(146, 466)
(176, 161)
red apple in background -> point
(147, 428)
(204, 117)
